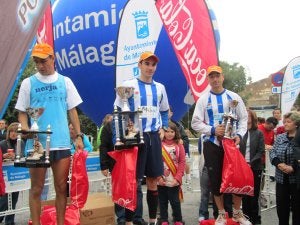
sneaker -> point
(178, 223)
(201, 218)
(221, 219)
(240, 218)
(165, 223)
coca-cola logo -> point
(246, 190)
(180, 25)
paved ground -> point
(190, 206)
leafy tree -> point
(11, 115)
(235, 76)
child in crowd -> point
(169, 185)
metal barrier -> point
(267, 191)
(17, 179)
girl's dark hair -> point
(173, 127)
(254, 120)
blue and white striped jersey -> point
(151, 97)
(210, 109)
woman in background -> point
(283, 158)
(252, 147)
(9, 147)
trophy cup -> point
(125, 93)
(128, 133)
(230, 120)
(35, 113)
(39, 157)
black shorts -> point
(213, 156)
(56, 155)
(150, 162)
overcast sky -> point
(261, 35)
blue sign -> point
(277, 79)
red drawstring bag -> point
(237, 176)
(79, 181)
(2, 183)
(123, 177)
(79, 192)
(48, 217)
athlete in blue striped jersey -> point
(151, 96)
(207, 119)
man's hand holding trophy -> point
(127, 132)
(230, 121)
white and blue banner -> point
(290, 85)
(16, 178)
(139, 31)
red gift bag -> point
(78, 193)
(79, 181)
(2, 183)
(123, 176)
(48, 217)
(237, 176)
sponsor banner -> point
(45, 30)
(290, 85)
(139, 30)
(191, 33)
(16, 178)
(19, 21)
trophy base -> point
(127, 145)
(40, 163)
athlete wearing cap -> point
(207, 118)
(58, 96)
(151, 96)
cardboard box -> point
(98, 210)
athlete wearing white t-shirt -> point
(58, 96)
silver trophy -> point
(39, 157)
(35, 113)
(125, 93)
(230, 120)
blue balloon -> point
(85, 40)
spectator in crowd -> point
(59, 98)
(107, 164)
(107, 118)
(207, 119)
(282, 157)
(86, 143)
(3, 129)
(252, 147)
(9, 147)
(169, 185)
(151, 97)
(186, 143)
(260, 120)
(268, 131)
